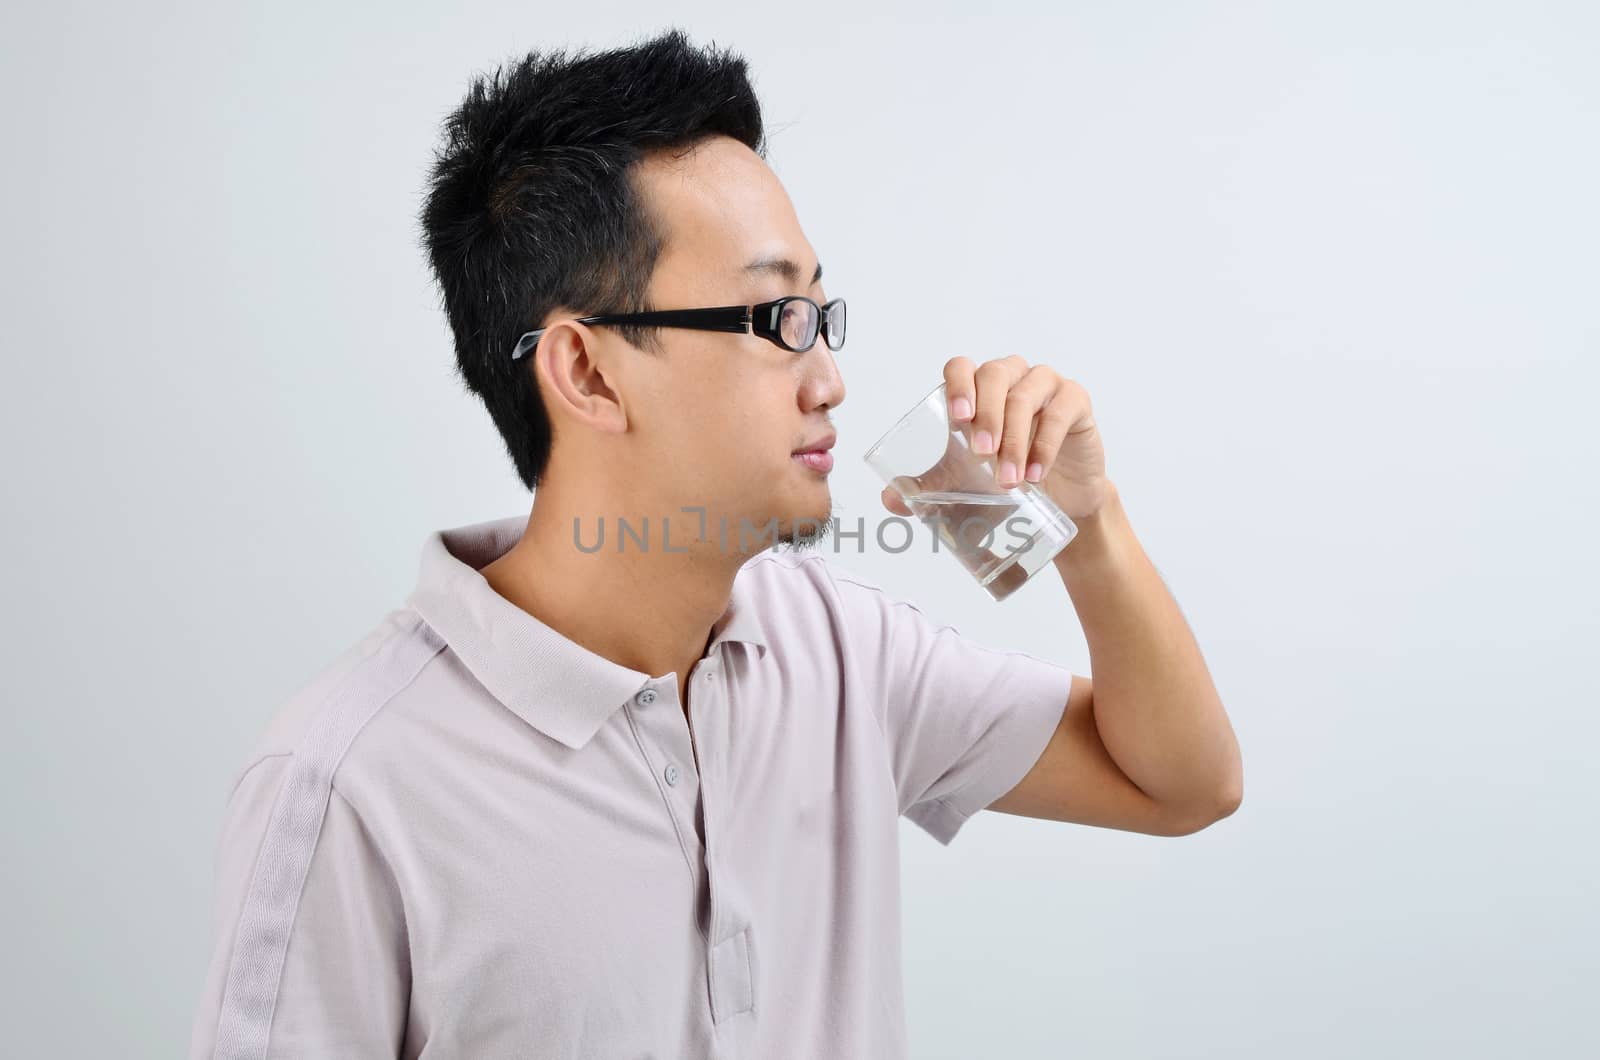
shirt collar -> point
(554, 684)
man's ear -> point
(572, 370)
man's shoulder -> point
(319, 719)
(787, 578)
(838, 585)
(788, 586)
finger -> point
(959, 388)
(1023, 403)
(894, 502)
(994, 380)
(1067, 411)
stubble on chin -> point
(806, 532)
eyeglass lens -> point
(801, 321)
(798, 325)
(836, 325)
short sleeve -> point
(309, 954)
(964, 722)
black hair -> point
(532, 205)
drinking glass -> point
(1002, 535)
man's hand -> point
(1035, 425)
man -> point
(641, 799)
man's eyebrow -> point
(783, 267)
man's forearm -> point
(1156, 708)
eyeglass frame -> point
(733, 319)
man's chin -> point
(806, 531)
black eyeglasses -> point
(792, 323)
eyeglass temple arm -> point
(723, 318)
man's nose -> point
(823, 385)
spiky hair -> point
(532, 204)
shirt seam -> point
(244, 774)
(940, 807)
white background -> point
(1329, 273)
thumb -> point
(894, 502)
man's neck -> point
(642, 607)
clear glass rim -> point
(870, 453)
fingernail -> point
(983, 442)
(1035, 471)
(1008, 472)
(961, 408)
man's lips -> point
(816, 456)
(816, 459)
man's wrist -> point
(1099, 539)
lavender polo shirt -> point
(471, 837)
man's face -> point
(723, 414)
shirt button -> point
(645, 698)
(671, 773)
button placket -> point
(662, 733)
(667, 730)
(729, 966)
